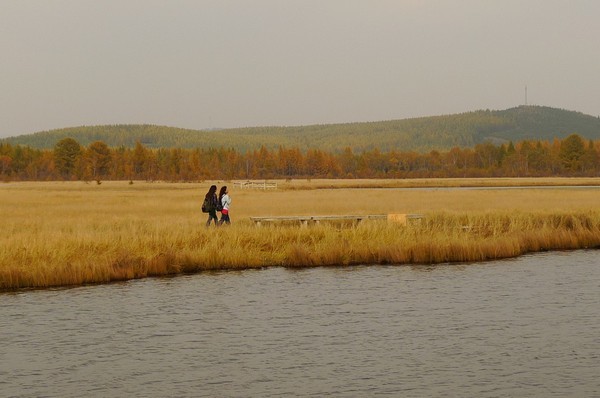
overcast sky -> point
(237, 63)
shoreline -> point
(16, 290)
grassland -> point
(72, 233)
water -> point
(497, 188)
(528, 327)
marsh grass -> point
(57, 234)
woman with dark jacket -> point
(211, 200)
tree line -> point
(69, 160)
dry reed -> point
(58, 234)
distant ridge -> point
(417, 134)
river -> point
(525, 327)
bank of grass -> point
(58, 234)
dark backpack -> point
(207, 206)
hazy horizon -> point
(225, 64)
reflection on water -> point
(524, 327)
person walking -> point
(225, 201)
(210, 205)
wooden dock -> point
(403, 219)
(255, 185)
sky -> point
(239, 63)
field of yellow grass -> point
(72, 233)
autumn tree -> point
(316, 163)
(67, 154)
(5, 162)
(97, 160)
(590, 157)
(571, 152)
(289, 161)
(140, 158)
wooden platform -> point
(255, 185)
(404, 219)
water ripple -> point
(524, 327)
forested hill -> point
(418, 134)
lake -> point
(526, 327)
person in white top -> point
(225, 200)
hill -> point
(418, 134)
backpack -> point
(206, 205)
(219, 205)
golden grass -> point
(57, 234)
